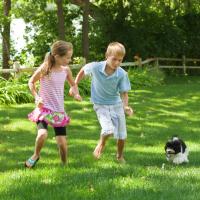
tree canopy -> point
(165, 28)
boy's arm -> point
(79, 76)
(73, 87)
(128, 110)
(77, 80)
(87, 69)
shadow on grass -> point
(159, 113)
(110, 182)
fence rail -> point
(156, 61)
(18, 69)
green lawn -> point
(160, 112)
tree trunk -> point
(6, 37)
(61, 24)
(85, 30)
(94, 11)
(188, 5)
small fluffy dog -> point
(176, 151)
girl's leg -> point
(62, 145)
(61, 133)
(39, 143)
(120, 148)
(100, 146)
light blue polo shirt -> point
(106, 89)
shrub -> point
(145, 76)
(14, 91)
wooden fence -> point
(183, 63)
(161, 63)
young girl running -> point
(50, 99)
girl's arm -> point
(73, 87)
(128, 110)
(31, 83)
(79, 76)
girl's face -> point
(114, 61)
(64, 60)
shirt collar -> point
(102, 70)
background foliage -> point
(149, 28)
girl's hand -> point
(39, 101)
(128, 110)
(71, 91)
(78, 97)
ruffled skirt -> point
(55, 119)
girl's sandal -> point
(31, 162)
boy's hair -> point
(115, 48)
(60, 48)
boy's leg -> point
(107, 128)
(62, 145)
(120, 148)
(60, 133)
(100, 146)
(121, 132)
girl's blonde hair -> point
(115, 48)
(60, 48)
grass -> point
(160, 112)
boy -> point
(109, 94)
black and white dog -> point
(176, 151)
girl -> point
(50, 99)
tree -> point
(85, 29)
(6, 35)
(61, 23)
(150, 28)
(88, 8)
(44, 24)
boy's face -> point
(114, 61)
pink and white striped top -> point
(52, 90)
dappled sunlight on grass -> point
(156, 124)
(133, 183)
(160, 112)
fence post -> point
(184, 64)
(16, 66)
(157, 62)
(140, 62)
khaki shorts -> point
(112, 120)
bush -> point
(15, 91)
(83, 86)
(145, 76)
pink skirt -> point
(55, 119)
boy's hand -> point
(73, 91)
(128, 110)
(39, 101)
